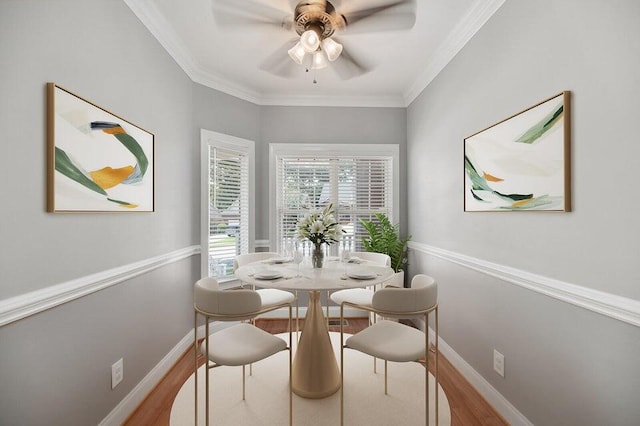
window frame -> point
(209, 138)
(278, 150)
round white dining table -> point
(315, 369)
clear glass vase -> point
(317, 256)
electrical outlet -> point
(498, 362)
(117, 373)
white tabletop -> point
(334, 275)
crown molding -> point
(334, 101)
(151, 18)
(158, 26)
(477, 16)
(209, 80)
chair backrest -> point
(231, 305)
(377, 258)
(243, 259)
(401, 302)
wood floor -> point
(468, 408)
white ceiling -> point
(232, 58)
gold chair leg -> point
(375, 320)
(291, 365)
(243, 380)
(253, 322)
(436, 375)
(426, 366)
(297, 318)
(341, 367)
(195, 357)
(385, 378)
(327, 308)
(206, 372)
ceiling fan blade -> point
(242, 15)
(347, 66)
(396, 15)
(279, 63)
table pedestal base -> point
(315, 370)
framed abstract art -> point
(522, 162)
(96, 161)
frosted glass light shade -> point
(319, 60)
(310, 41)
(332, 48)
(297, 53)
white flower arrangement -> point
(319, 226)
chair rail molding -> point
(24, 305)
(618, 307)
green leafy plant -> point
(384, 238)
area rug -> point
(267, 401)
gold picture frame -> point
(522, 163)
(96, 161)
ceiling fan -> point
(316, 23)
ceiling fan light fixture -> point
(332, 48)
(319, 60)
(310, 40)
(297, 53)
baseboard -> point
(134, 398)
(127, 406)
(488, 392)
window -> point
(359, 180)
(227, 181)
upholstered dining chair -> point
(269, 296)
(377, 258)
(240, 344)
(395, 341)
(362, 296)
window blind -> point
(228, 208)
(357, 186)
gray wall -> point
(217, 111)
(214, 110)
(55, 366)
(564, 365)
(126, 72)
(328, 125)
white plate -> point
(268, 275)
(361, 275)
(278, 260)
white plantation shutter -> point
(228, 203)
(229, 192)
(303, 184)
(365, 188)
(358, 186)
